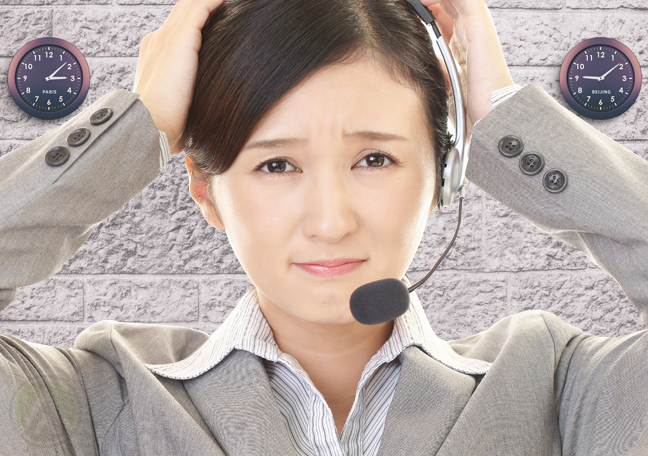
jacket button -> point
(57, 156)
(101, 116)
(531, 163)
(510, 146)
(554, 181)
(78, 137)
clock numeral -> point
(69, 89)
(61, 56)
(28, 90)
(612, 100)
(69, 66)
(28, 66)
(624, 78)
(49, 55)
(621, 90)
(600, 55)
(61, 99)
(24, 77)
(621, 67)
(613, 57)
(49, 102)
(601, 101)
(72, 78)
(588, 98)
(580, 90)
(37, 58)
(36, 97)
(579, 66)
(589, 57)
(577, 77)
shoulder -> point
(531, 330)
(141, 342)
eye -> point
(274, 166)
(377, 160)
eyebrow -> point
(282, 142)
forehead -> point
(345, 97)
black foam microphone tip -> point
(380, 301)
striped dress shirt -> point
(305, 413)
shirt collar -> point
(247, 329)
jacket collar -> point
(247, 329)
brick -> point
(22, 25)
(55, 335)
(110, 74)
(54, 299)
(219, 296)
(590, 300)
(160, 231)
(55, 2)
(544, 4)
(460, 304)
(108, 32)
(8, 146)
(146, 2)
(607, 4)
(141, 299)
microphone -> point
(383, 300)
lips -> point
(330, 268)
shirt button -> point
(531, 163)
(101, 116)
(554, 181)
(78, 137)
(57, 156)
(510, 146)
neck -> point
(333, 356)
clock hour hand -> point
(51, 76)
(592, 77)
(57, 77)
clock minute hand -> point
(51, 76)
(603, 77)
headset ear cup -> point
(452, 171)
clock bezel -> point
(48, 41)
(600, 41)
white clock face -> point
(49, 78)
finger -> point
(444, 22)
(196, 16)
(184, 7)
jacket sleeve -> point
(600, 382)
(46, 213)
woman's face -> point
(315, 182)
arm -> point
(600, 394)
(49, 211)
(602, 211)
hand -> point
(470, 32)
(167, 66)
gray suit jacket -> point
(551, 388)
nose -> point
(330, 209)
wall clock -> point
(48, 78)
(600, 78)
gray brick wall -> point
(156, 260)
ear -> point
(199, 192)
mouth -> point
(331, 268)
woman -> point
(306, 160)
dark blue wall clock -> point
(600, 78)
(48, 78)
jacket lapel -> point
(427, 401)
(236, 401)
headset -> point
(454, 171)
(383, 300)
